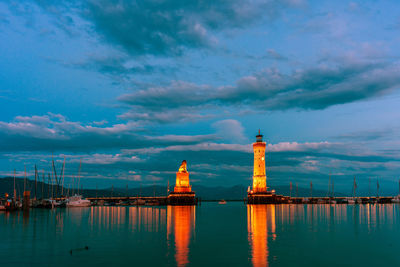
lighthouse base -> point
(182, 198)
(268, 197)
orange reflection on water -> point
(181, 221)
(260, 221)
(148, 219)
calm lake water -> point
(208, 235)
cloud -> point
(195, 147)
(162, 115)
(168, 27)
(155, 27)
(272, 54)
(328, 84)
(54, 132)
(177, 94)
(295, 146)
(372, 134)
(230, 130)
(121, 66)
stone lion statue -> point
(182, 168)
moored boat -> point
(152, 203)
(122, 203)
(78, 201)
(396, 199)
(139, 202)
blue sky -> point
(134, 87)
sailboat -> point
(396, 199)
(78, 201)
(331, 198)
(352, 199)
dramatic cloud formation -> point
(313, 88)
(54, 132)
(167, 27)
(164, 27)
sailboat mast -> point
(15, 191)
(55, 176)
(73, 185)
(48, 185)
(329, 185)
(25, 179)
(79, 174)
(369, 187)
(377, 187)
(35, 182)
(52, 186)
(62, 184)
(36, 176)
(42, 185)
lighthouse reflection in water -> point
(260, 222)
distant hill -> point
(236, 192)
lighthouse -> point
(259, 177)
(259, 193)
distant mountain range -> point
(237, 192)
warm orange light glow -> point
(259, 177)
(182, 180)
(181, 220)
(260, 219)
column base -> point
(268, 197)
(182, 198)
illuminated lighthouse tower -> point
(259, 177)
(259, 193)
